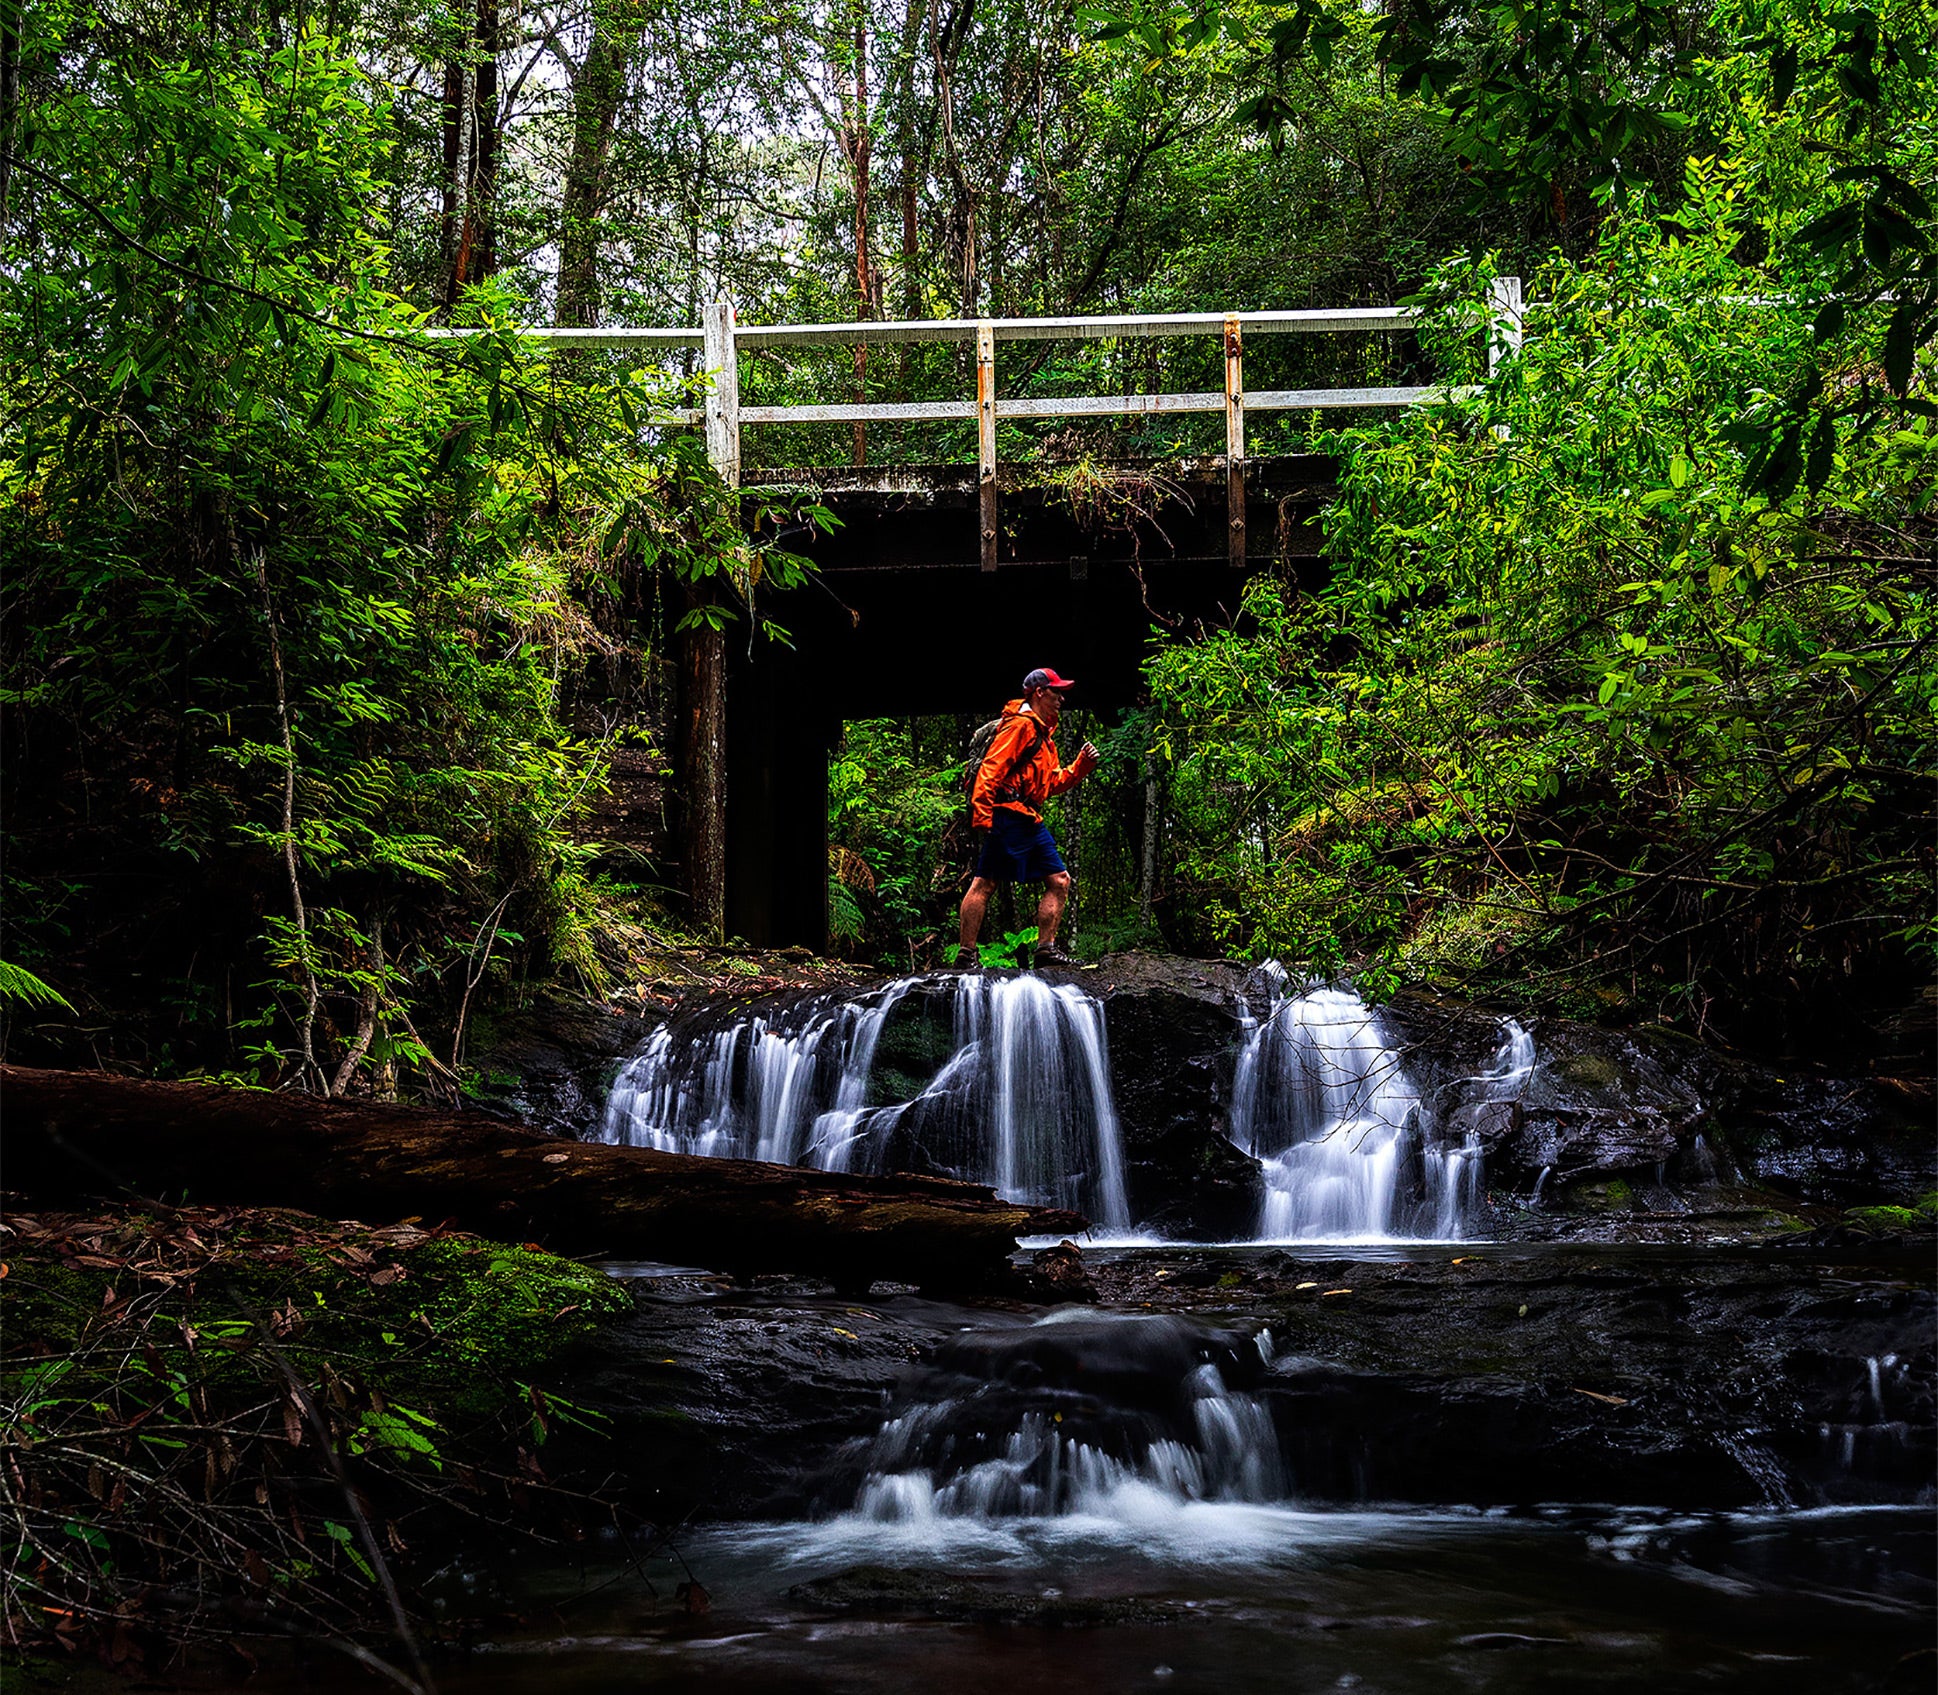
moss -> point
(1587, 1071)
(1603, 1197)
(1920, 1214)
(458, 1323)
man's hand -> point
(1088, 759)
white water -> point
(937, 1461)
(1323, 1103)
(1349, 1150)
(1023, 1105)
(787, 1087)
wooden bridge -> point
(945, 583)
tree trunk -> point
(1147, 870)
(596, 94)
(702, 764)
(484, 149)
(450, 185)
(10, 15)
(77, 1135)
(864, 287)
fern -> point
(17, 983)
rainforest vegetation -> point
(323, 632)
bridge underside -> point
(902, 620)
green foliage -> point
(304, 590)
(21, 985)
(1579, 691)
(1008, 953)
(234, 1405)
(896, 816)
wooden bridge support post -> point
(701, 753)
(986, 437)
(1235, 440)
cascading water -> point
(1023, 1105)
(1323, 1103)
(787, 1086)
(1076, 1414)
(1349, 1151)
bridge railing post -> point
(723, 401)
(1234, 440)
(986, 438)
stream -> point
(1359, 1445)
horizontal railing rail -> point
(722, 339)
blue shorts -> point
(1018, 849)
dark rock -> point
(1061, 1273)
(1598, 1103)
(550, 1066)
(923, 1592)
(1704, 1380)
(1174, 1037)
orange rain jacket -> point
(1033, 780)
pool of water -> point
(1234, 1597)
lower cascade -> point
(1023, 1104)
(1076, 1414)
(1349, 1150)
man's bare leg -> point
(1049, 910)
(969, 920)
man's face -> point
(1047, 704)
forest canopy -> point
(322, 630)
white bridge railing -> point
(721, 338)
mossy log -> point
(72, 1135)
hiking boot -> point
(966, 959)
(1051, 954)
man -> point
(1017, 774)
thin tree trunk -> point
(367, 1007)
(10, 14)
(1147, 881)
(450, 185)
(313, 995)
(596, 93)
(911, 249)
(702, 760)
(864, 287)
(484, 147)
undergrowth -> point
(224, 1423)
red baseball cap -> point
(1045, 678)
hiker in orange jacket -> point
(1018, 773)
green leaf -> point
(1901, 344)
(343, 1537)
(17, 983)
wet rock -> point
(1707, 1381)
(925, 1592)
(550, 1066)
(1174, 1036)
(1061, 1275)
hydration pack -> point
(979, 746)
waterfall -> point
(1452, 1170)
(1349, 1150)
(1023, 1104)
(786, 1085)
(1075, 1414)
(1323, 1103)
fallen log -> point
(70, 1136)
